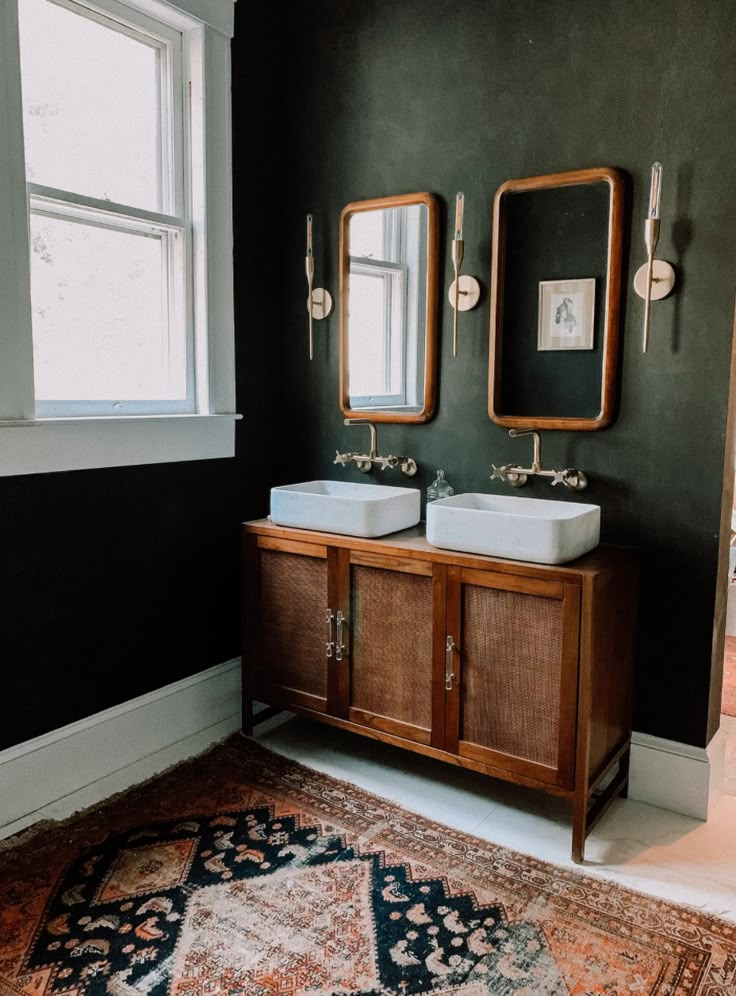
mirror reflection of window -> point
(376, 326)
(367, 234)
(387, 307)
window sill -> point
(40, 446)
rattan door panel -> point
(390, 627)
(291, 663)
(518, 666)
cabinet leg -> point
(588, 808)
(246, 722)
(579, 826)
(624, 766)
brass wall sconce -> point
(654, 279)
(464, 291)
(319, 300)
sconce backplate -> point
(321, 303)
(663, 280)
(469, 293)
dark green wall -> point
(115, 582)
(391, 96)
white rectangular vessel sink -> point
(341, 507)
(531, 529)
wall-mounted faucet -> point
(517, 477)
(364, 461)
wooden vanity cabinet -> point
(520, 671)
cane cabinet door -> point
(393, 642)
(288, 634)
(512, 666)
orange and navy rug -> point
(242, 872)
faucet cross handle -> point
(341, 458)
(574, 479)
(499, 473)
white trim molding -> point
(217, 14)
(676, 776)
(79, 765)
(46, 445)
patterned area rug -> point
(244, 873)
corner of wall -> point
(676, 776)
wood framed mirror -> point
(389, 259)
(555, 300)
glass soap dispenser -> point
(439, 488)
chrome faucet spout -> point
(537, 452)
(572, 478)
(366, 461)
(372, 428)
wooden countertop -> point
(412, 544)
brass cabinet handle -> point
(449, 650)
(330, 643)
(339, 645)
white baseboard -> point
(56, 774)
(676, 776)
(79, 765)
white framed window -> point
(119, 347)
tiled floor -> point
(640, 846)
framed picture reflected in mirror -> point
(566, 314)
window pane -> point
(100, 315)
(90, 107)
(368, 335)
(366, 234)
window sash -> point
(177, 276)
(176, 252)
(392, 277)
(168, 43)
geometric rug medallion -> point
(244, 873)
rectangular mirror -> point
(388, 308)
(555, 300)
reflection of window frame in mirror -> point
(393, 275)
(391, 270)
(614, 179)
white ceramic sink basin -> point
(533, 529)
(341, 507)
